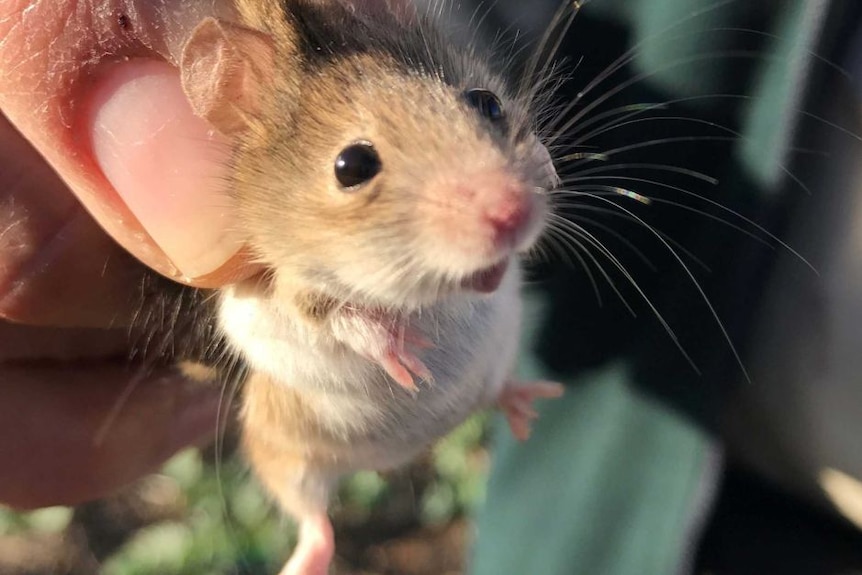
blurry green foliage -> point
(232, 527)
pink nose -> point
(508, 213)
(499, 207)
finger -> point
(89, 84)
(165, 163)
(524, 410)
(56, 265)
(62, 443)
(23, 343)
(415, 365)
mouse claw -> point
(415, 365)
(402, 366)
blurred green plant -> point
(228, 525)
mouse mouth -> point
(487, 279)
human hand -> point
(133, 160)
(89, 90)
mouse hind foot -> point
(516, 402)
(303, 493)
(315, 549)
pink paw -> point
(386, 340)
(400, 363)
(516, 403)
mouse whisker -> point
(568, 209)
(571, 229)
(620, 238)
(568, 248)
(759, 234)
(623, 60)
(547, 48)
(626, 121)
(669, 168)
(691, 277)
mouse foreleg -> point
(385, 339)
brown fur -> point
(279, 437)
(316, 306)
(400, 246)
(285, 444)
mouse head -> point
(374, 161)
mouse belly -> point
(348, 433)
(316, 410)
(344, 405)
(350, 397)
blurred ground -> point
(205, 515)
(199, 518)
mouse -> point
(390, 182)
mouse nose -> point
(505, 208)
(509, 213)
(496, 211)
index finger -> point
(68, 436)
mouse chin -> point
(486, 280)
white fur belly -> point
(383, 423)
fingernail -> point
(166, 164)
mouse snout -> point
(508, 214)
(480, 218)
(506, 208)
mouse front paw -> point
(516, 403)
(388, 341)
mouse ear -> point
(224, 68)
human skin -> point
(100, 157)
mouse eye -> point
(486, 102)
(356, 164)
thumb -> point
(165, 164)
(94, 93)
